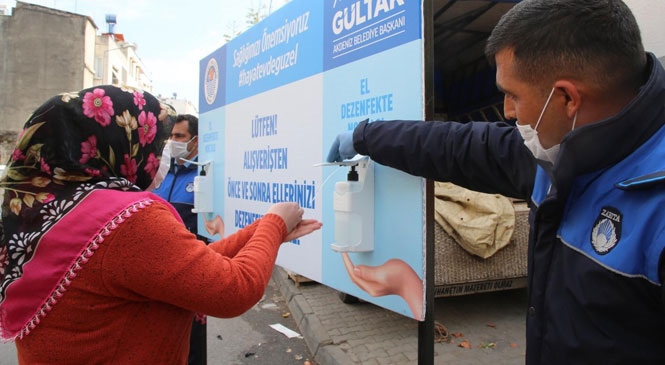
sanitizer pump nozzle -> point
(353, 174)
(353, 203)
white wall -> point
(649, 15)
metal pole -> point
(426, 328)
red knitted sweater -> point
(133, 302)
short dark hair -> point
(193, 123)
(595, 40)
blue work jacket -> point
(597, 220)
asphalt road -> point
(249, 339)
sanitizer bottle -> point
(353, 203)
(203, 189)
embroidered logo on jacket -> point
(606, 231)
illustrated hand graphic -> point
(214, 226)
(393, 277)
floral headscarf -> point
(106, 137)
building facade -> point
(181, 106)
(116, 62)
(44, 52)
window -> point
(99, 73)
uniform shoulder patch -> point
(606, 231)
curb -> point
(316, 337)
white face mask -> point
(164, 165)
(179, 149)
(532, 142)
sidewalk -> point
(491, 325)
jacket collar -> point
(184, 167)
(599, 145)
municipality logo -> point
(211, 81)
(606, 231)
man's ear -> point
(573, 97)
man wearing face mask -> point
(178, 189)
(587, 153)
(178, 185)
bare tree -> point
(252, 17)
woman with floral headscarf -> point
(95, 270)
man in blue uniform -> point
(587, 153)
(178, 185)
(178, 189)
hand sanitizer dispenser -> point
(353, 203)
(203, 185)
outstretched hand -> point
(296, 227)
(290, 212)
(305, 227)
